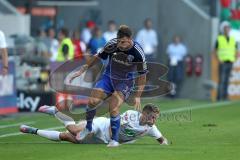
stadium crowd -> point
(64, 44)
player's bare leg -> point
(66, 136)
(68, 122)
(49, 134)
(97, 96)
(116, 101)
(52, 110)
(74, 129)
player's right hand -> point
(72, 77)
(78, 73)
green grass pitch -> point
(207, 131)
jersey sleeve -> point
(154, 132)
(140, 59)
(110, 47)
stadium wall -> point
(195, 27)
(12, 24)
(128, 12)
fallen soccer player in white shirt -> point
(134, 125)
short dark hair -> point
(39, 31)
(49, 29)
(111, 22)
(124, 31)
(64, 31)
(151, 108)
(147, 20)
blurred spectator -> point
(176, 52)
(41, 49)
(48, 23)
(53, 44)
(147, 38)
(66, 49)
(86, 34)
(42, 34)
(79, 46)
(3, 51)
(38, 54)
(112, 31)
(97, 42)
(226, 53)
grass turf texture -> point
(209, 133)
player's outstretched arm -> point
(91, 62)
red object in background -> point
(63, 101)
(235, 14)
(39, 11)
(189, 65)
(8, 110)
(91, 24)
(198, 64)
(225, 3)
(78, 54)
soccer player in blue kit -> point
(126, 68)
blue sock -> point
(115, 126)
(89, 117)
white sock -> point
(66, 120)
(52, 135)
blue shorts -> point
(110, 85)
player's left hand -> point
(137, 104)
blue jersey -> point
(123, 64)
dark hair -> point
(147, 20)
(151, 108)
(124, 31)
(111, 22)
(175, 36)
(95, 30)
(48, 30)
(39, 31)
(64, 31)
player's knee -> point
(115, 103)
(93, 102)
(118, 97)
(73, 130)
(63, 136)
(114, 111)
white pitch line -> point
(209, 105)
(16, 124)
(19, 133)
